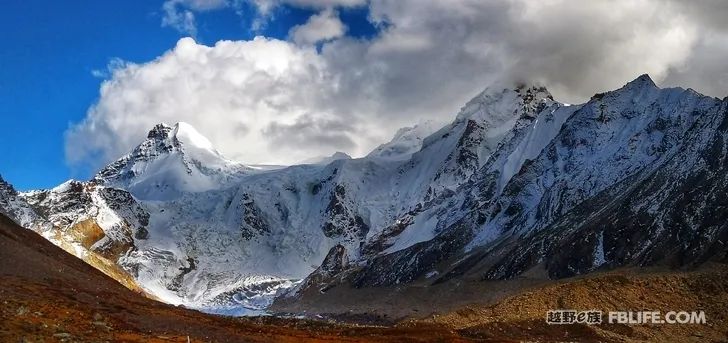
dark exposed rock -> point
(184, 270)
(335, 262)
(341, 220)
(254, 222)
(414, 262)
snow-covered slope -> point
(514, 181)
(327, 159)
(407, 141)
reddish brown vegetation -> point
(47, 295)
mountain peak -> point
(496, 106)
(339, 155)
(406, 141)
(159, 131)
(180, 136)
(6, 189)
(641, 81)
(535, 91)
(171, 160)
(639, 87)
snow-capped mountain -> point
(632, 177)
(517, 182)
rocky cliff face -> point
(15, 207)
(518, 182)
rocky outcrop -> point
(17, 209)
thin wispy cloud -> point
(180, 14)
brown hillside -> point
(50, 295)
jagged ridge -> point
(510, 186)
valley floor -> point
(522, 317)
(515, 310)
(39, 313)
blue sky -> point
(51, 48)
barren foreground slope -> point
(49, 295)
(522, 317)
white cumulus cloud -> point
(273, 101)
(248, 97)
